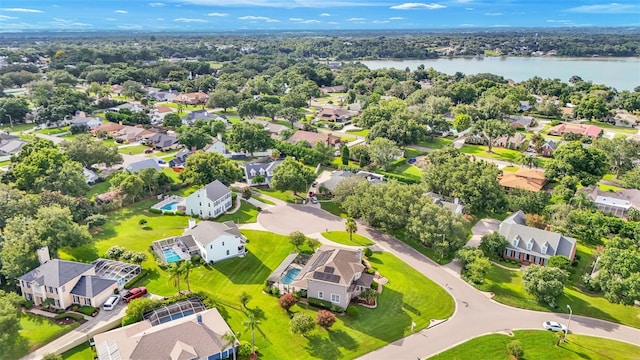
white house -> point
(264, 169)
(210, 201)
(217, 146)
(216, 241)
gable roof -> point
(312, 138)
(580, 129)
(143, 164)
(334, 265)
(109, 127)
(216, 190)
(265, 167)
(194, 336)
(12, 146)
(56, 272)
(206, 232)
(90, 286)
(632, 196)
(519, 235)
(161, 109)
(269, 126)
(525, 179)
(335, 178)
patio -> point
(174, 249)
(287, 271)
(171, 203)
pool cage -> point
(119, 271)
(174, 311)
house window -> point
(200, 203)
(28, 285)
(57, 303)
(29, 297)
(76, 299)
(227, 252)
(63, 289)
(223, 243)
(209, 204)
(87, 301)
(335, 298)
(320, 295)
(515, 242)
(530, 245)
(527, 257)
(545, 247)
(211, 246)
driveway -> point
(482, 228)
(475, 313)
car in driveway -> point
(134, 294)
(411, 161)
(111, 302)
(314, 200)
(554, 326)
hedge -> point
(324, 304)
(400, 178)
(155, 211)
(87, 310)
(135, 279)
(73, 316)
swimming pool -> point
(172, 206)
(289, 276)
(171, 255)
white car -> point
(554, 326)
(111, 302)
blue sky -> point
(211, 15)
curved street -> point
(475, 314)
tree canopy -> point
(292, 175)
(588, 164)
(204, 167)
(85, 150)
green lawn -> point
(498, 153)
(408, 297)
(17, 127)
(342, 237)
(52, 131)
(282, 195)
(510, 168)
(333, 208)
(436, 143)
(36, 331)
(173, 175)
(609, 188)
(540, 344)
(80, 352)
(99, 188)
(507, 287)
(604, 125)
(5, 163)
(406, 170)
(358, 132)
(247, 213)
(264, 200)
(414, 243)
(133, 150)
(413, 153)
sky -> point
(240, 15)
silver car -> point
(554, 326)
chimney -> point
(43, 254)
(192, 223)
(199, 317)
(359, 254)
(456, 201)
(219, 136)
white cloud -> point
(21, 10)
(493, 13)
(5, 17)
(121, 12)
(190, 20)
(272, 21)
(258, 18)
(111, 19)
(356, 19)
(157, 4)
(160, 19)
(296, 19)
(65, 24)
(612, 8)
(310, 21)
(325, 14)
(396, 18)
(130, 27)
(411, 6)
(217, 14)
(284, 3)
(332, 23)
(380, 21)
(500, 25)
(559, 21)
(466, 25)
(469, 9)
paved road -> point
(476, 314)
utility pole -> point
(569, 324)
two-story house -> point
(210, 201)
(251, 171)
(335, 275)
(66, 282)
(216, 241)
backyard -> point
(36, 331)
(539, 344)
(247, 213)
(132, 149)
(408, 297)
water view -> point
(621, 73)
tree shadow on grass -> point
(243, 271)
(342, 339)
(321, 347)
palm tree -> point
(186, 269)
(581, 200)
(244, 299)
(529, 160)
(351, 227)
(230, 339)
(252, 324)
(175, 272)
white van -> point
(111, 302)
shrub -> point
(127, 255)
(96, 220)
(352, 311)
(275, 291)
(161, 264)
(180, 213)
(302, 324)
(368, 252)
(324, 304)
(138, 257)
(374, 285)
(130, 284)
(266, 289)
(64, 315)
(371, 271)
(27, 304)
(286, 301)
(197, 260)
(515, 349)
(555, 122)
(87, 310)
(336, 308)
(142, 221)
(115, 252)
(155, 211)
(325, 318)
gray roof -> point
(163, 140)
(143, 164)
(6, 137)
(266, 167)
(519, 236)
(11, 147)
(551, 144)
(206, 232)
(333, 265)
(90, 286)
(216, 190)
(56, 272)
(336, 178)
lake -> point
(621, 73)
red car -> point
(134, 294)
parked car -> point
(314, 200)
(411, 161)
(148, 151)
(134, 294)
(111, 302)
(554, 326)
(315, 183)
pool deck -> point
(180, 201)
(178, 250)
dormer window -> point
(545, 247)
(515, 241)
(262, 171)
(530, 244)
(253, 172)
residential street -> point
(476, 314)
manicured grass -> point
(498, 153)
(540, 344)
(333, 208)
(407, 170)
(282, 195)
(413, 153)
(337, 162)
(604, 125)
(609, 188)
(428, 252)
(358, 132)
(510, 168)
(36, 331)
(247, 213)
(263, 200)
(80, 352)
(99, 188)
(508, 289)
(52, 131)
(173, 175)
(436, 143)
(16, 128)
(163, 154)
(5, 163)
(133, 150)
(342, 237)
(345, 138)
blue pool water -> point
(289, 276)
(170, 206)
(171, 256)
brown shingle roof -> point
(525, 179)
(312, 138)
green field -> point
(36, 331)
(358, 132)
(281, 195)
(436, 143)
(133, 149)
(52, 131)
(247, 213)
(508, 289)
(17, 127)
(333, 208)
(80, 352)
(498, 153)
(342, 237)
(264, 200)
(541, 345)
